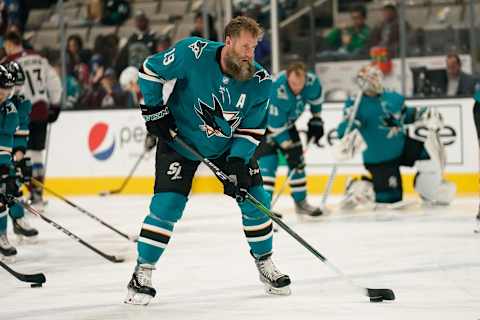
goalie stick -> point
(37, 278)
(375, 295)
(333, 173)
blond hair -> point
(242, 23)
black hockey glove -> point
(53, 113)
(150, 142)
(8, 181)
(294, 157)
(240, 172)
(159, 121)
(315, 129)
(24, 169)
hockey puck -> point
(376, 299)
(36, 285)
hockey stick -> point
(375, 295)
(127, 179)
(36, 278)
(82, 210)
(333, 173)
(32, 210)
(285, 183)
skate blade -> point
(285, 291)
(135, 298)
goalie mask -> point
(370, 79)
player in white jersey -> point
(44, 89)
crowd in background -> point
(101, 76)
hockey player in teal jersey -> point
(215, 97)
(22, 164)
(381, 121)
(292, 91)
(8, 179)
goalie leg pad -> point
(430, 185)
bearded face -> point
(239, 54)
(239, 68)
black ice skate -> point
(7, 251)
(275, 281)
(21, 227)
(140, 290)
(305, 209)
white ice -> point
(429, 257)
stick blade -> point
(35, 278)
(378, 295)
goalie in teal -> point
(215, 97)
(292, 91)
(381, 122)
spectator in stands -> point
(140, 45)
(105, 91)
(128, 81)
(198, 27)
(18, 11)
(164, 42)
(387, 33)
(95, 10)
(107, 47)
(3, 20)
(115, 12)
(351, 39)
(77, 59)
(459, 83)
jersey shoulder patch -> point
(282, 92)
(9, 107)
(310, 78)
(197, 48)
(262, 75)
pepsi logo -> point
(101, 141)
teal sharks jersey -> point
(213, 112)
(476, 97)
(384, 143)
(24, 107)
(286, 107)
(8, 126)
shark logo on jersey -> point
(217, 122)
(197, 48)
(9, 107)
(262, 75)
(310, 79)
(282, 93)
(393, 123)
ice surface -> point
(429, 257)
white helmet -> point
(370, 80)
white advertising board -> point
(107, 143)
